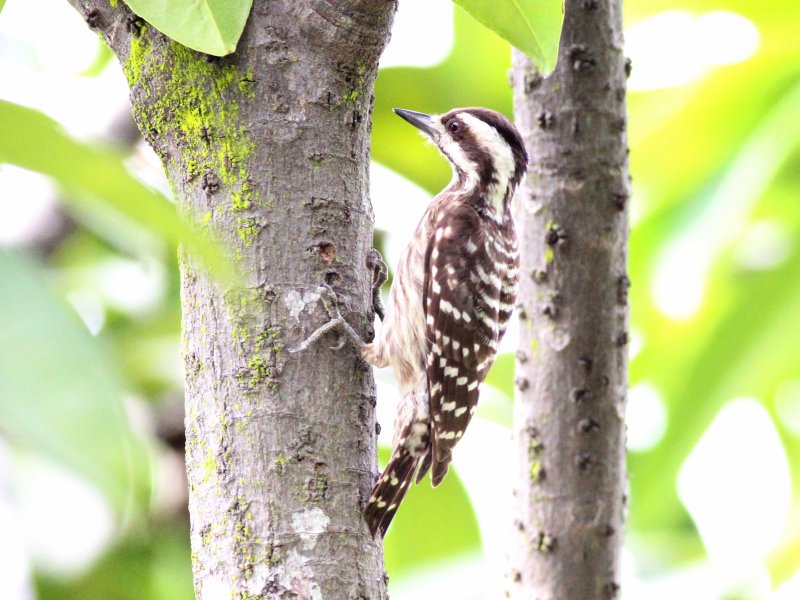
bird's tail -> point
(390, 489)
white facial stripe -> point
(488, 137)
(450, 148)
(503, 158)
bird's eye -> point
(453, 126)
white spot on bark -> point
(559, 338)
(215, 589)
(296, 303)
(296, 575)
(309, 524)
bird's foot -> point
(379, 275)
(337, 323)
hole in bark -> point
(356, 120)
(326, 251)
(92, 17)
(550, 310)
(582, 395)
(623, 284)
(134, 25)
(581, 58)
(607, 530)
(619, 201)
(532, 81)
(332, 278)
(586, 461)
(545, 542)
(588, 425)
(554, 235)
(587, 362)
(539, 275)
(545, 119)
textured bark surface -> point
(571, 383)
(270, 148)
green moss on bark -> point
(185, 101)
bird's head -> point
(483, 147)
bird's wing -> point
(461, 300)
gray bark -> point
(571, 369)
(269, 148)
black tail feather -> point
(439, 469)
(426, 464)
(389, 490)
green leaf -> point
(533, 26)
(210, 26)
(98, 180)
(60, 392)
(2, 3)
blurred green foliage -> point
(444, 515)
(57, 383)
(153, 563)
(98, 182)
(712, 159)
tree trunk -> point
(571, 384)
(269, 148)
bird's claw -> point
(380, 274)
(340, 344)
(336, 323)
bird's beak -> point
(421, 121)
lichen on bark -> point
(197, 104)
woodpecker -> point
(452, 295)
